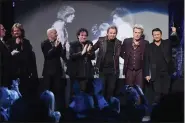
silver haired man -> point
(133, 52)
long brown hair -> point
(19, 26)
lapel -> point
(4, 45)
(79, 47)
(129, 46)
(153, 49)
(49, 43)
(116, 48)
(162, 46)
(104, 44)
(142, 45)
(163, 49)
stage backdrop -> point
(68, 16)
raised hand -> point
(174, 30)
(17, 40)
(148, 78)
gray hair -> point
(138, 26)
(50, 29)
(65, 11)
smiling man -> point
(158, 62)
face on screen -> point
(117, 20)
(17, 32)
(137, 34)
(111, 34)
(157, 36)
(2, 31)
(82, 37)
(70, 18)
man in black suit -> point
(23, 61)
(52, 71)
(158, 62)
(133, 52)
(108, 61)
(5, 60)
(81, 68)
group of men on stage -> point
(143, 61)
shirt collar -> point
(1, 38)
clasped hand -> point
(87, 49)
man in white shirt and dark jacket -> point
(158, 62)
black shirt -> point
(160, 60)
(109, 56)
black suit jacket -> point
(126, 49)
(52, 63)
(150, 58)
(101, 44)
(80, 65)
(5, 61)
(24, 63)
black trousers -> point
(161, 85)
(6, 80)
(55, 84)
(86, 84)
(109, 85)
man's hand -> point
(174, 30)
(89, 48)
(14, 52)
(84, 49)
(148, 78)
(17, 40)
(57, 43)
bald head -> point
(2, 31)
(52, 34)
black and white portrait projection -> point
(68, 16)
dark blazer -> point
(52, 63)
(80, 65)
(126, 49)
(5, 62)
(150, 59)
(102, 45)
(24, 62)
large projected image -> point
(68, 16)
